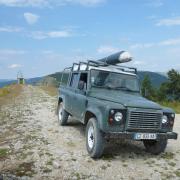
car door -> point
(81, 98)
(73, 93)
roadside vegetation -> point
(169, 92)
(50, 90)
(9, 92)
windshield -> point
(111, 80)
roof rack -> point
(91, 63)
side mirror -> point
(81, 85)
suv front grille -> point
(144, 120)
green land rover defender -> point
(106, 98)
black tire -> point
(62, 115)
(95, 150)
(155, 147)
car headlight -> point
(118, 116)
(164, 119)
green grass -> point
(107, 156)
(4, 91)
(177, 173)
(47, 170)
(172, 164)
(25, 169)
(167, 155)
(4, 152)
(174, 105)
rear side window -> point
(64, 79)
(74, 80)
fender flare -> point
(95, 113)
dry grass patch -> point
(50, 90)
(8, 93)
(174, 105)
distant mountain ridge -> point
(33, 81)
(156, 78)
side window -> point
(64, 78)
(74, 80)
(82, 84)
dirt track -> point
(34, 146)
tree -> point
(174, 84)
(147, 89)
(162, 92)
(170, 90)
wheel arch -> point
(60, 99)
(90, 113)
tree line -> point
(168, 91)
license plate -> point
(145, 136)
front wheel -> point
(155, 147)
(62, 115)
(94, 139)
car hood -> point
(127, 99)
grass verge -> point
(50, 90)
(174, 105)
(9, 92)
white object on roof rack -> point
(125, 57)
(117, 58)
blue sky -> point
(40, 37)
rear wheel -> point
(62, 115)
(155, 147)
(94, 139)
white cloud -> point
(39, 34)
(51, 55)
(48, 3)
(168, 42)
(11, 52)
(13, 66)
(52, 34)
(141, 45)
(107, 50)
(169, 22)
(25, 3)
(155, 3)
(175, 50)
(58, 34)
(138, 63)
(10, 29)
(86, 2)
(31, 18)
(152, 17)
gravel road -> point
(34, 146)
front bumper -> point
(131, 135)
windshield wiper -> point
(106, 87)
(126, 89)
(116, 88)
